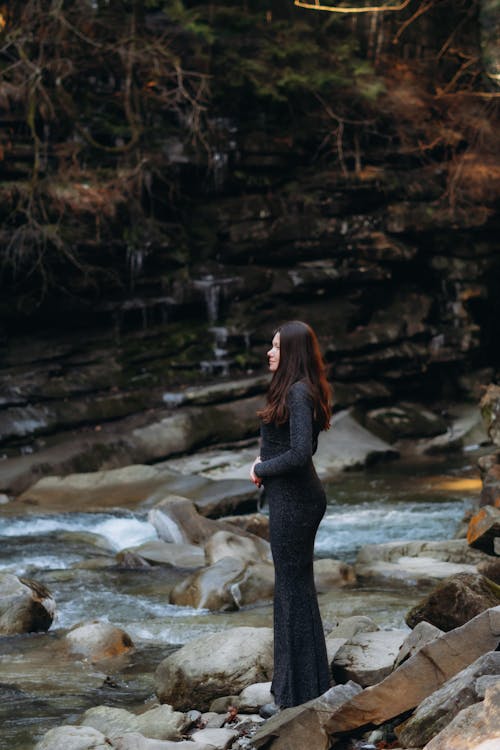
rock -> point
(455, 601)
(213, 719)
(188, 556)
(490, 493)
(176, 520)
(136, 741)
(255, 523)
(437, 711)
(421, 634)
(329, 573)
(129, 560)
(477, 726)
(226, 544)
(98, 640)
(483, 528)
(222, 739)
(73, 738)
(26, 606)
(404, 420)
(415, 562)
(215, 665)
(490, 569)
(347, 627)
(226, 585)
(367, 658)
(490, 412)
(465, 430)
(420, 675)
(304, 726)
(253, 697)
(109, 720)
(127, 486)
(348, 445)
(161, 722)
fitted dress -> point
(296, 506)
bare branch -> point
(354, 9)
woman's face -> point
(273, 354)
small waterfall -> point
(220, 364)
(212, 289)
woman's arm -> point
(301, 436)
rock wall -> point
(385, 244)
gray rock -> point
(73, 738)
(226, 585)
(248, 548)
(421, 634)
(26, 606)
(305, 726)
(329, 573)
(367, 658)
(415, 562)
(159, 723)
(347, 627)
(136, 741)
(215, 665)
(169, 553)
(477, 726)
(420, 675)
(221, 739)
(253, 697)
(438, 710)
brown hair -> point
(300, 359)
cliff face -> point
(344, 172)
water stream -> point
(73, 554)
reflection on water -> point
(42, 686)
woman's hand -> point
(253, 476)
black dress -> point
(296, 506)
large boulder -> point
(455, 601)
(98, 640)
(26, 606)
(228, 584)
(248, 548)
(367, 658)
(73, 738)
(213, 666)
(437, 711)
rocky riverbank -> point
(209, 546)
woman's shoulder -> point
(299, 390)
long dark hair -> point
(300, 359)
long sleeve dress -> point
(296, 506)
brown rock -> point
(254, 523)
(455, 601)
(490, 569)
(26, 606)
(484, 526)
(99, 640)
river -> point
(73, 554)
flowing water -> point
(74, 555)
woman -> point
(297, 410)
